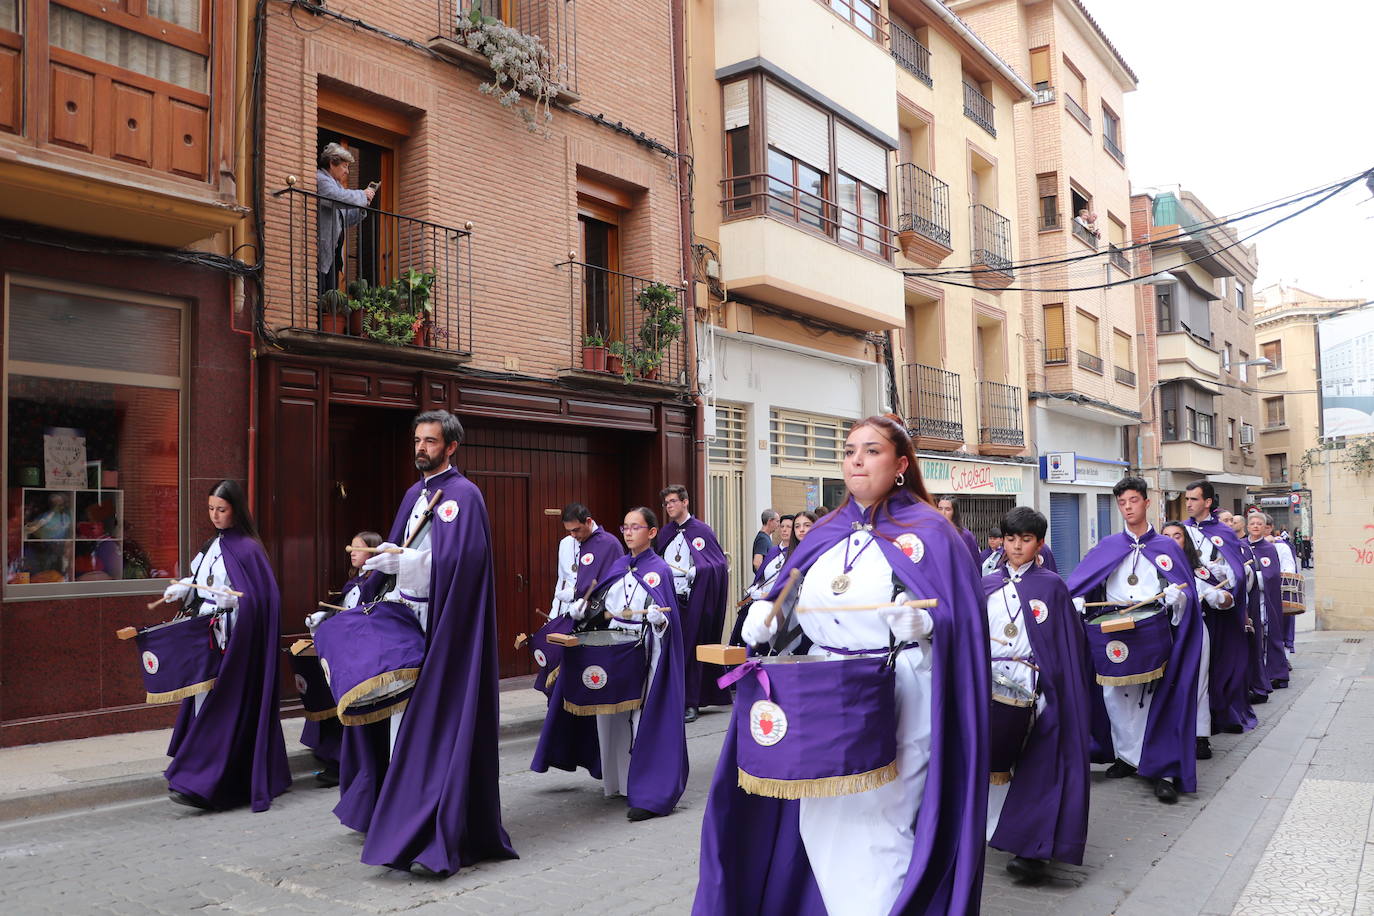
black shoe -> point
(1258, 698)
(1165, 791)
(424, 871)
(189, 800)
(1233, 729)
(1204, 749)
(1120, 770)
(327, 778)
(1279, 684)
(640, 814)
(1026, 871)
(691, 714)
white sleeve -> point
(413, 579)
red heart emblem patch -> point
(766, 726)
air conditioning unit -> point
(1247, 434)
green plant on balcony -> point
(520, 65)
(661, 326)
(334, 308)
(398, 313)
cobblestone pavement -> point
(578, 852)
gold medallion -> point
(1010, 631)
(1132, 579)
(840, 584)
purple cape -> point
(703, 618)
(970, 542)
(1170, 748)
(1276, 667)
(440, 804)
(1229, 663)
(1255, 678)
(233, 752)
(1046, 812)
(594, 557)
(752, 857)
(325, 738)
(768, 558)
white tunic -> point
(568, 552)
(860, 845)
(1129, 707)
(1204, 673)
(770, 575)
(1005, 607)
(209, 570)
(679, 557)
(990, 564)
(412, 583)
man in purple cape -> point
(701, 579)
(1132, 565)
(439, 807)
(1044, 814)
(1274, 660)
(752, 857)
(657, 771)
(1224, 557)
(232, 750)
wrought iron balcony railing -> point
(1089, 361)
(553, 22)
(999, 415)
(1119, 259)
(979, 108)
(910, 54)
(1084, 234)
(1125, 376)
(1043, 96)
(923, 203)
(1111, 146)
(760, 193)
(639, 322)
(1077, 111)
(1056, 356)
(991, 239)
(936, 407)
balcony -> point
(1182, 356)
(922, 215)
(1089, 361)
(863, 15)
(990, 243)
(1118, 259)
(1000, 428)
(1078, 113)
(403, 290)
(1109, 144)
(1056, 356)
(910, 54)
(936, 407)
(978, 108)
(1083, 233)
(1125, 376)
(554, 24)
(638, 320)
(1044, 95)
(1192, 457)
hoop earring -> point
(901, 479)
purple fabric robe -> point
(703, 618)
(1256, 678)
(970, 542)
(440, 802)
(233, 752)
(1169, 750)
(363, 749)
(325, 738)
(752, 857)
(1229, 662)
(1275, 660)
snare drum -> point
(310, 681)
(180, 658)
(1130, 648)
(371, 657)
(808, 726)
(1293, 589)
(1009, 722)
(604, 673)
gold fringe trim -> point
(1010, 701)
(605, 709)
(1130, 679)
(824, 787)
(322, 714)
(999, 779)
(553, 676)
(376, 715)
(367, 686)
(172, 696)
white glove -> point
(578, 611)
(177, 591)
(1221, 571)
(907, 624)
(657, 619)
(757, 629)
(1173, 595)
(412, 575)
(566, 593)
(314, 620)
(1218, 598)
(1080, 605)
(388, 564)
(691, 574)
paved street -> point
(1239, 845)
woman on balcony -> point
(338, 209)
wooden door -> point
(508, 508)
(370, 468)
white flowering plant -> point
(520, 64)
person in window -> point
(338, 209)
(1088, 220)
(227, 747)
(949, 508)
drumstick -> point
(1134, 607)
(820, 609)
(215, 589)
(429, 509)
(332, 607)
(782, 596)
(632, 612)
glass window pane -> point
(58, 327)
(848, 199)
(104, 41)
(9, 15)
(812, 197)
(185, 13)
(780, 191)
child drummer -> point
(1042, 812)
(1152, 723)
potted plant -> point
(334, 310)
(615, 357)
(413, 292)
(594, 352)
(662, 325)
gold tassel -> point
(1128, 680)
(999, 779)
(321, 715)
(359, 692)
(824, 787)
(376, 715)
(606, 709)
(172, 696)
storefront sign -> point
(970, 477)
(1060, 467)
(1071, 467)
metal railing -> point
(1077, 111)
(910, 54)
(1110, 146)
(864, 15)
(922, 203)
(936, 407)
(761, 194)
(608, 304)
(1125, 376)
(1084, 234)
(1056, 356)
(1043, 95)
(381, 249)
(979, 108)
(991, 239)
(1118, 259)
(1089, 361)
(999, 415)
(553, 22)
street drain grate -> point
(1354, 640)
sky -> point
(1246, 101)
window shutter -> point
(1054, 327)
(861, 158)
(1087, 334)
(737, 104)
(1048, 184)
(797, 128)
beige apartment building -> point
(837, 145)
(1073, 211)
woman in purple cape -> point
(227, 747)
(914, 844)
(949, 508)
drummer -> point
(643, 752)
(1269, 569)
(1042, 812)
(915, 844)
(1288, 566)
(1214, 600)
(583, 556)
(1151, 722)
(227, 747)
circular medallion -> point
(594, 677)
(324, 663)
(448, 511)
(1117, 651)
(150, 663)
(1132, 579)
(301, 685)
(1040, 610)
(1216, 539)
(911, 545)
(767, 723)
(1264, 561)
(652, 579)
(1010, 631)
(699, 543)
(540, 658)
(1164, 562)
(840, 584)
(587, 558)
(1203, 573)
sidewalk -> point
(41, 779)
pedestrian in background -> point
(763, 541)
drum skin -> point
(179, 658)
(604, 673)
(1134, 656)
(371, 656)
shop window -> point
(94, 420)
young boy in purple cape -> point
(642, 753)
(1223, 555)
(1147, 728)
(1274, 660)
(1043, 812)
(439, 805)
(754, 857)
(701, 579)
(227, 747)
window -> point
(737, 145)
(1278, 468)
(1242, 366)
(1121, 356)
(1274, 414)
(1273, 351)
(729, 445)
(1170, 424)
(1056, 350)
(1111, 132)
(805, 439)
(1200, 427)
(1240, 296)
(862, 14)
(1164, 308)
(1231, 433)
(1049, 200)
(1226, 357)
(1040, 75)
(94, 420)
(1087, 333)
(1075, 94)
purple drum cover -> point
(179, 659)
(371, 655)
(823, 727)
(313, 687)
(604, 673)
(1131, 656)
(1007, 729)
(548, 657)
